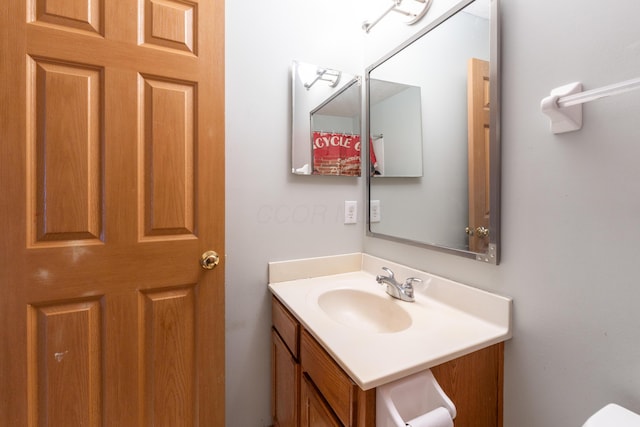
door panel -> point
(64, 151)
(171, 24)
(111, 186)
(168, 124)
(65, 372)
(77, 14)
(168, 335)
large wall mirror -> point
(326, 110)
(453, 203)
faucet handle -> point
(411, 280)
(408, 286)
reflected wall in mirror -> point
(396, 129)
(454, 204)
(326, 112)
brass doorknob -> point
(209, 260)
(469, 231)
(482, 232)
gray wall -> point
(273, 215)
(571, 203)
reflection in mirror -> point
(326, 121)
(454, 204)
(396, 129)
(337, 151)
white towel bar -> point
(564, 104)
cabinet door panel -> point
(315, 412)
(331, 380)
(286, 384)
(474, 384)
(287, 326)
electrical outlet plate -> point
(374, 211)
(350, 212)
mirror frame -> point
(492, 256)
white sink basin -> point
(364, 311)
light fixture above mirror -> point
(411, 10)
(332, 77)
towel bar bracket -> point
(563, 119)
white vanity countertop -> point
(448, 319)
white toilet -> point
(613, 415)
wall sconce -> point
(413, 9)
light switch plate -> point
(350, 211)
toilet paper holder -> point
(408, 398)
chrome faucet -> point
(403, 291)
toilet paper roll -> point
(439, 417)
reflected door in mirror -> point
(479, 162)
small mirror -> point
(326, 121)
(453, 203)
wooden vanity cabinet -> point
(311, 390)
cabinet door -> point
(474, 384)
(286, 384)
(315, 412)
(332, 382)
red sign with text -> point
(336, 154)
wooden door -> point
(479, 161)
(111, 187)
